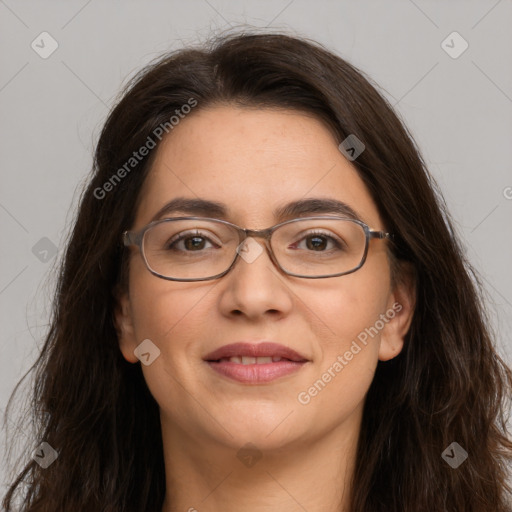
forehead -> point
(254, 162)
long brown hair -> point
(447, 385)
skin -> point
(242, 157)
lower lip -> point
(255, 373)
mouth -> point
(254, 353)
(255, 363)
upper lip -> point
(264, 349)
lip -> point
(256, 373)
(263, 349)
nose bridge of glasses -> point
(249, 253)
(257, 233)
(263, 234)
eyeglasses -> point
(201, 249)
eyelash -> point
(183, 236)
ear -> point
(400, 311)
(123, 322)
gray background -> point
(458, 109)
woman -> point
(263, 306)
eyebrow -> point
(291, 210)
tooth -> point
(251, 360)
(263, 360)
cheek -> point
(173, 319)
(348, 305)
(348, 346)
(158, 305)
(347, 311)
(174, 316)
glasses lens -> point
(190, 249)
(319, 247)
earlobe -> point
(400, 313)
(124, 327)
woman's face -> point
(253, 161)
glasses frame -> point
(136, 238)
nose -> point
(255, 287)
